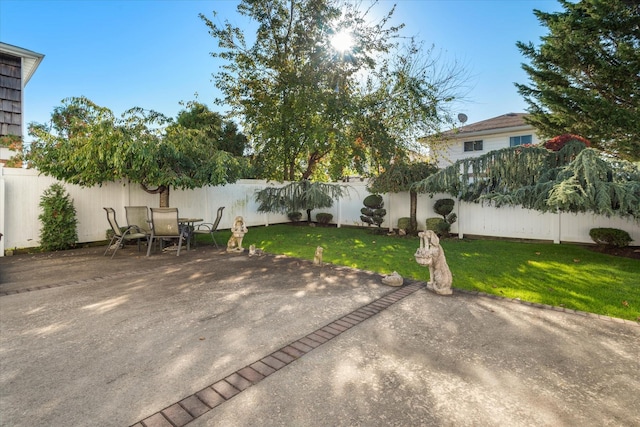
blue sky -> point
(155, 53)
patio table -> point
(189, 224)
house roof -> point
(30, 59)
(509, 121)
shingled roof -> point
(509, 120)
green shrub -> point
(324, 217)
(373, 212)
(443, 207)
(58, 219)
(373, 201)
(439, 225)
(404, 223)
(610, 237)
(294, 216)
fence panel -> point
(21, 190)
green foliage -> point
(58, 218)
(404, 223)
(212, 128)
(13, 143)
(373, 201)
(294, 216)
(610, 236)
(308, 109)
(296, 196)
(573, 179)
(86, 145)
(584, 75)
(324, 217)
(443, 207)
(439, 225)
(373, 211)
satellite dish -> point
(462, 117)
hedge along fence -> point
(21, 189)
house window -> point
(520, 140)
(473, 146)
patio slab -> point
(217, 339)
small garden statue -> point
(317, 259)
(238, 231)
(431, 254)
(393, 279)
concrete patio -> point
(217, 339)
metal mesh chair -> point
(120, 236)
(164, 225)
(208, 228)
(138, 216)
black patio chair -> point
(208, 228)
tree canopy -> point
(221, 134)
(86, 144)
(312, 111)
(572, 179)
(585, 75)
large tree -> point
(569, 178)
(312, 110)
(214, 129)
(585, 75)
(86, 144)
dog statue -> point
(431, 254)
(317, 259)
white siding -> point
(490, 142)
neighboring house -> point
(17, 65)
(479, 138)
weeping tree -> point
(86, 144)
(400, 177)
(574, 178)
(300, 195)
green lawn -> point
(560, 275)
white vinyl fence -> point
(21, 190)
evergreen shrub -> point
(610, 237)
(294, 216)
(58, 218)
(404, 223)
(324, 217)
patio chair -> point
(164, 225)
(121, 235)
(208, 228)
(139, 216)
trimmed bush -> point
(373, 212)
(443, 207)
(324, 217)
(404, 223)
(439, 225)
(610, 237)
(294, 216)
(373, 201)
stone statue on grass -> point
(431, 254)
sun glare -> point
(342, 41)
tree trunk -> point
(413, 212)
(162, 190)
(164, 198)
